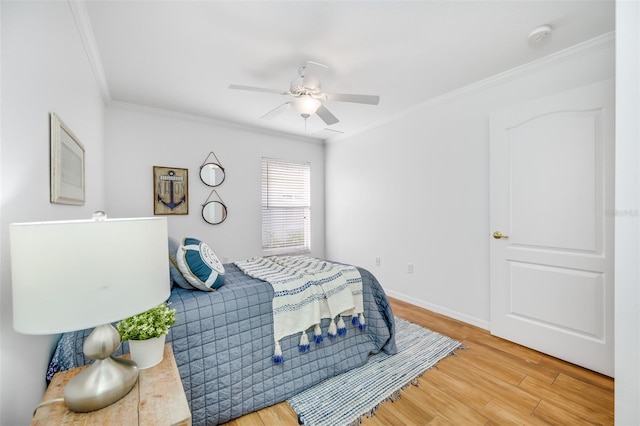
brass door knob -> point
(497, 235)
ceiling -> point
(181, 56)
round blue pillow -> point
(199, 265)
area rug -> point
(344, 399)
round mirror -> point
(212, 174)
(214, 212)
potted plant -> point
(146, 334)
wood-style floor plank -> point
(584, 405)
(492, 382)
(493, 386)
(502, 413)
(458, 388)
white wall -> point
(416, 190)
(627, 248)
(44, 69)
(138, 139)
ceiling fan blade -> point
(358, 99)
(258, 89)
(276, 111)
(330, 131)
(327, 133)
(326, 116)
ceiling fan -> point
(307, 96)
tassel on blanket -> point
(333, 331)
(317, 334)
(304, 342)
(277, 355)
(361, 324)
(342, 329)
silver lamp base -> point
(105, 381)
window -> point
(286, 207)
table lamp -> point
(78, 274)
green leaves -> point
(152, 323)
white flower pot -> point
(147, 353)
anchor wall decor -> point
(170, 190)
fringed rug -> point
(344, 399)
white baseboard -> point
(439, 309)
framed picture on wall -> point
(67, 164)
(170, 190)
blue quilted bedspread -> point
(223, 345)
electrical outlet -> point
(409, 268)
(377, 261)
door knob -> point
(497, 235)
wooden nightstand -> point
(157, 399)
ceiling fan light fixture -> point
(305, 105)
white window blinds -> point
(286, 207)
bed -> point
(223, 343)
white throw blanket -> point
(306, 290)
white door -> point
(551, 198)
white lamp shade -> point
(72, 275)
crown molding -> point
(83, 23)
(601, 42)
(210, 120)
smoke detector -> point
(539, 34)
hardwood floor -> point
(492, 382)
